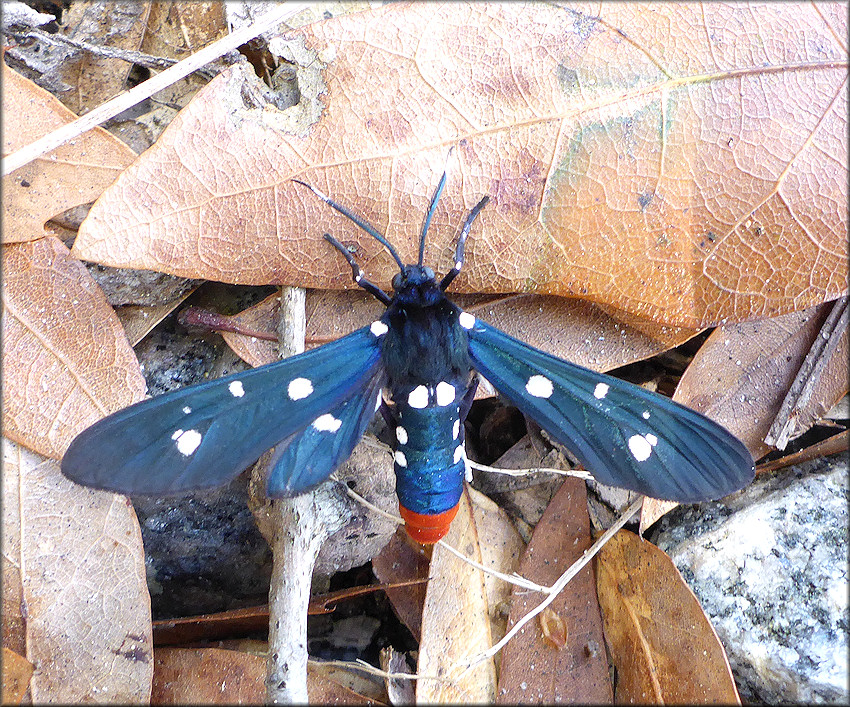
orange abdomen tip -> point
(427, 529)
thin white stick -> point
(578, 473)
(372, 507)
(514, 578)
(145, 90)
(365, 667)
(558, 585)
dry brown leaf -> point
(403, 559)
(501, 550)
(84, 592)
(662, 644)
(226, 677)
(175, 30)
(66, 361)
(572, 329)
(13, 619)
(533, 669)
(653, 509)
(93, 79)
(139, 320)
(73, 174)
(456, 620)
(686, 163)
(17, 672)
(207, 676)
(741, 374)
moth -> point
(427, 354)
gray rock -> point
(769, 566)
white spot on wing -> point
(378, 328)
(400, 459)
(458, 453)
(378, 401)
(176, 434)
(458, 264)
(601, 390)
(418, 397)
(187, 410)
(639, 447)
(445, 393)
(645, 414)
(651, 438)
(299, 388)
(188, 441)
(236, 389)
(466, 320)
(327, 423)
(539, 386)
(401, 434)
(456, 429)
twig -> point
(145, 90)
(578, 473)
(299, 527)
(128, 55)
(365, 667)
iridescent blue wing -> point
(623, 434)
(310, 456)
(206, 434)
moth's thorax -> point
(425, 343)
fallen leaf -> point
(226, 677)
(578, 331)
(174, 31)
(66, 360)
(685, 163)
(139, 320)
(401, 691)
(456, 620)
(73, 174)
(93, 79)
(207, 676)
(501, 550)
(17, 672)
(534, 670)
(740, 376)
(84, 592)
(403, 559)
(661, 642)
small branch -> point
(128, 55)
(299, 526)
(809, 375)
(578, 473)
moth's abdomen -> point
(430, 460)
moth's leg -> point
(468, 397)
(357, 273)
(388, 414)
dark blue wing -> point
(310, 457)
(623, 434)
(206, 434)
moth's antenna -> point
(433, 207)
(357, 220)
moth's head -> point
(416, 284)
